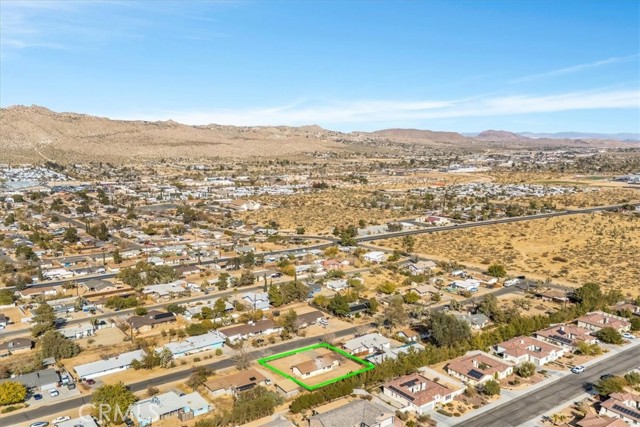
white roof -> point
(369, 341)
(156, 406)
(194, 343)
(94, 368)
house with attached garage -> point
(235, 383)
(567, 336)
(526, 349)
(256, 300)
(366, 344)
(597, 320)
(150, 320)
(252, 329)
(374, 256)
(337, 284)
(478, 367)
(81, 330)
(108, 366)
(417, 393)
(421, 267)
(210, 341)
(46, 379)
(166, 405)
(318, 366)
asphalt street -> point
(535, 403)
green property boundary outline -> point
(367, 366)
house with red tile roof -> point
(478, 367)
(597, 320)
(526, 349)
(625, 406)
(417, 393)
(567, 336)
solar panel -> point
(475, 374)
(627, 411)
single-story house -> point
(256, 300)
(593, 420)
(421, 267)
(196, 308)
(112, 365)
(417, 393)
(425, 290)
(210, 341)
(16, 346)
(318, 366)
(165, 290)
(597, 320)
(4, 320)
(235, 383)
(409, 335)
(367, 344)
(165, 405)
(357, 413)
(476, 321)
(526, 349)
(477, 367)
(151, 320)
(337, 284)
(81, 330)
(310, 318)
(374, 256)
(467, 285)
(46, 379)
(241, 332)
(244, 205)
(393, 353)
(567, 336)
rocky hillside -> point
(34, 134)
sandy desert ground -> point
(602, 248)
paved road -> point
(45, 412)
(484, 223)
(535, 403)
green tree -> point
(219, 308)
(589, 296)
(223, 281)
(395, 314)
(497, 270)
(289, 321)
(12, 392)
(635, 324)
(44, 318)
(339, 305)
(246, 278)
(7, 297)
(275, 296)
(448, 330)
(386, 288)
(610, 385)
(609, 335)
(117, 258)
(54, 344)
(490, 388)
(525, 370)
(71, 235)
(111, 402)
(409, 243)
(411, 297)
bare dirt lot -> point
(576, 249)
(285, 364)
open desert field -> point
(285, 364)
(592, 196)
(602, 248)
(320, 212)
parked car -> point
(61, 419)
(54, 393)
(37, 396)
(91, 382)
(71, 386)
(39, 424)
(577, 369)
(628, 336)
(606, 376)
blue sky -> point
(541, 66)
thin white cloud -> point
(575, 68)
(358, 112)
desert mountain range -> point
(36, 134)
